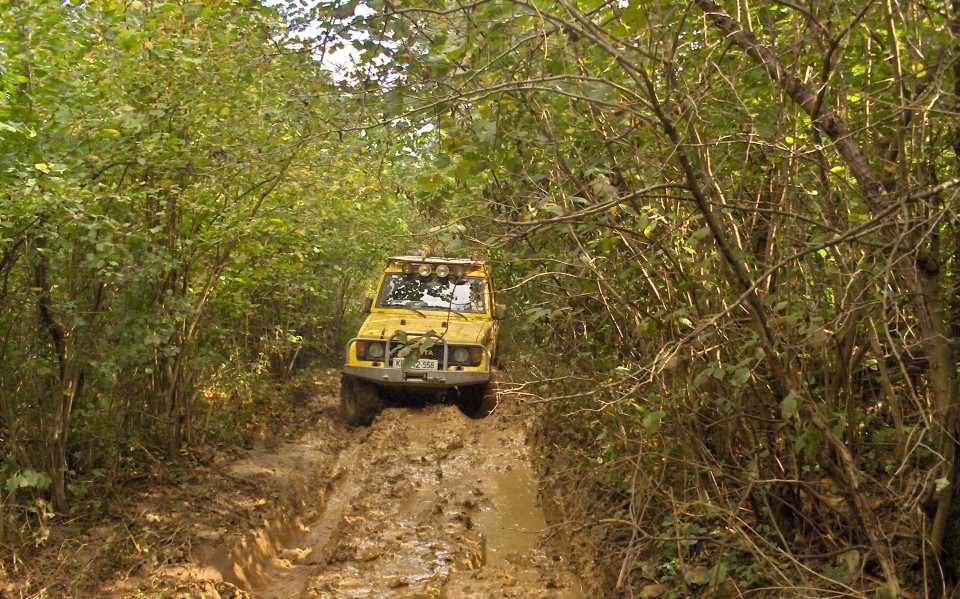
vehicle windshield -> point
(432, 293)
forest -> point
(727, 234)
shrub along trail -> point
(426, 502)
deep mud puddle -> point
(423, 503)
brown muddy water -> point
(425, 502)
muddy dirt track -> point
(425, 502)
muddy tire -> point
(359, 401)
(491, 394)
(478, 401)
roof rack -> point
(472, 261)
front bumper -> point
(427, 379)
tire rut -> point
(425, 503)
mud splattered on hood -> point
(456, 327)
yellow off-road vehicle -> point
(432, 326)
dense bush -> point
(177, 195)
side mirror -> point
(500, 312)
(367, 305)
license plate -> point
(421, 364)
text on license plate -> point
(421, 364)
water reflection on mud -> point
(427, 503)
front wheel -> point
(478, 401)
(491, 395)
(359, 401)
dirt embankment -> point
(426, 502)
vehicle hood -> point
(457, 330)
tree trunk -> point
(70, 382)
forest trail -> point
(426, 502)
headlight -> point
(461, 355)
(425, 270)
(375, 350)
(466, 355)
(370, 350)
(443, 270)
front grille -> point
(435, 352)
